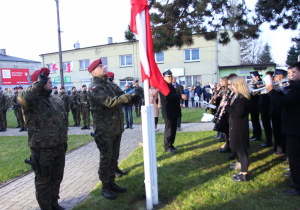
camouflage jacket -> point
(74, 98)
(45, 117)
(16, 104)
(55, 93)
(3, 102)
(84, 100)
(66, 99)
(106, 99)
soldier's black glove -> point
(43, 77)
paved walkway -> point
(81, 169)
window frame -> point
(65, 63)
(125, 56)
(85, 67)
(155, 57)
(191, 55)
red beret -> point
(110, 74)
(35, 75)
(14, 88)
(94, 64)
(54, 87)
(20, 87)
(83, 85)
(62, 87)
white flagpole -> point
(149, 148)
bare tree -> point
(251, 50)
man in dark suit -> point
(179, 90)
(171, 111)
(290, 103)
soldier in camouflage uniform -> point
(138, 103)
(66, 99)
(47, 137)
(3, 109)
(85, 107)
(20, 113)
(106, 100)
(75, 106)
(55, 91)
(15, 104)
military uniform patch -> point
(94, 87)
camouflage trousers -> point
(3, 121)
(16, 114)
(85, 112)
(20, 118)
(109, 148)
(76, 115)
(49, 171)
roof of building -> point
(248, 65)
(15, 59)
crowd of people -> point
(277, 102)
(45, 114)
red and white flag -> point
(54, 66)
(140, 24)
(69, 67)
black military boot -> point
(78, 124)
(22, 129)
(75, 124)
(84, 127)
(88, 127)
(56, 206)
(3, 130)
(123, 172)
(107, 193)
(116, 188)
(18, 126)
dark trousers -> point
(170, 132)
(186, 103)
(109, 147)
(279, 137)
(256, 124)
(293, 145)
(48, 174)
(178, 122)
(192, 99)
(242, 155)
(266, 121)
(128, 110)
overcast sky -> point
(29, 27)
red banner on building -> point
(14, 76)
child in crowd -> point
(196, 98)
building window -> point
(124, 81)
(126, 60)
(192, 80)
(84, 64)
(104, 62)
(159, 57)
(192, 55)
(50, 67)
(65, 65)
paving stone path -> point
(81, 169)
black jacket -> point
(291, 108)
(238, 123)
(170, 104)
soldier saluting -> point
(106, 100)
(47, 137)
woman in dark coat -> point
(239, 125)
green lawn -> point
(14, 150)
(188, 115)
(198, 177)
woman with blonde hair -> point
(239, 125)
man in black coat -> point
(198, 90)
(170, 107)
(290, 102)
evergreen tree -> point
(265, 56)
(175, 22)
(285, 13)
(129, 35)
(292, 56)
